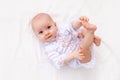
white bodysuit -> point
(65, 43)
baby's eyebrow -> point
(47, 26)
(40, 29)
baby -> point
(66, 45)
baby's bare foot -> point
(97, 41)
(89, 26)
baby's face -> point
(45, 30)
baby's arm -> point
(76, 24)
(59, 60)
(83, 55)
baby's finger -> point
(85, 19)
(82, 18)
(85, 24)
(81, 57)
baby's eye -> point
(40, 32)
(49, 27)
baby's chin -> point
(49, 39)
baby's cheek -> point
(41, 38)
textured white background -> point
(21, 57)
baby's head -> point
(44, 27)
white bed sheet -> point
(21, 56)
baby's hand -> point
(87, 55)
(84, 19)
(78, 55)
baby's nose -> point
(46, 33)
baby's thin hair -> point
(40, 15)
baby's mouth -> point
(49, 36)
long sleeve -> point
(54, 56)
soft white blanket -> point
(21, 55)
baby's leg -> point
(97, 39)
(88, 33)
